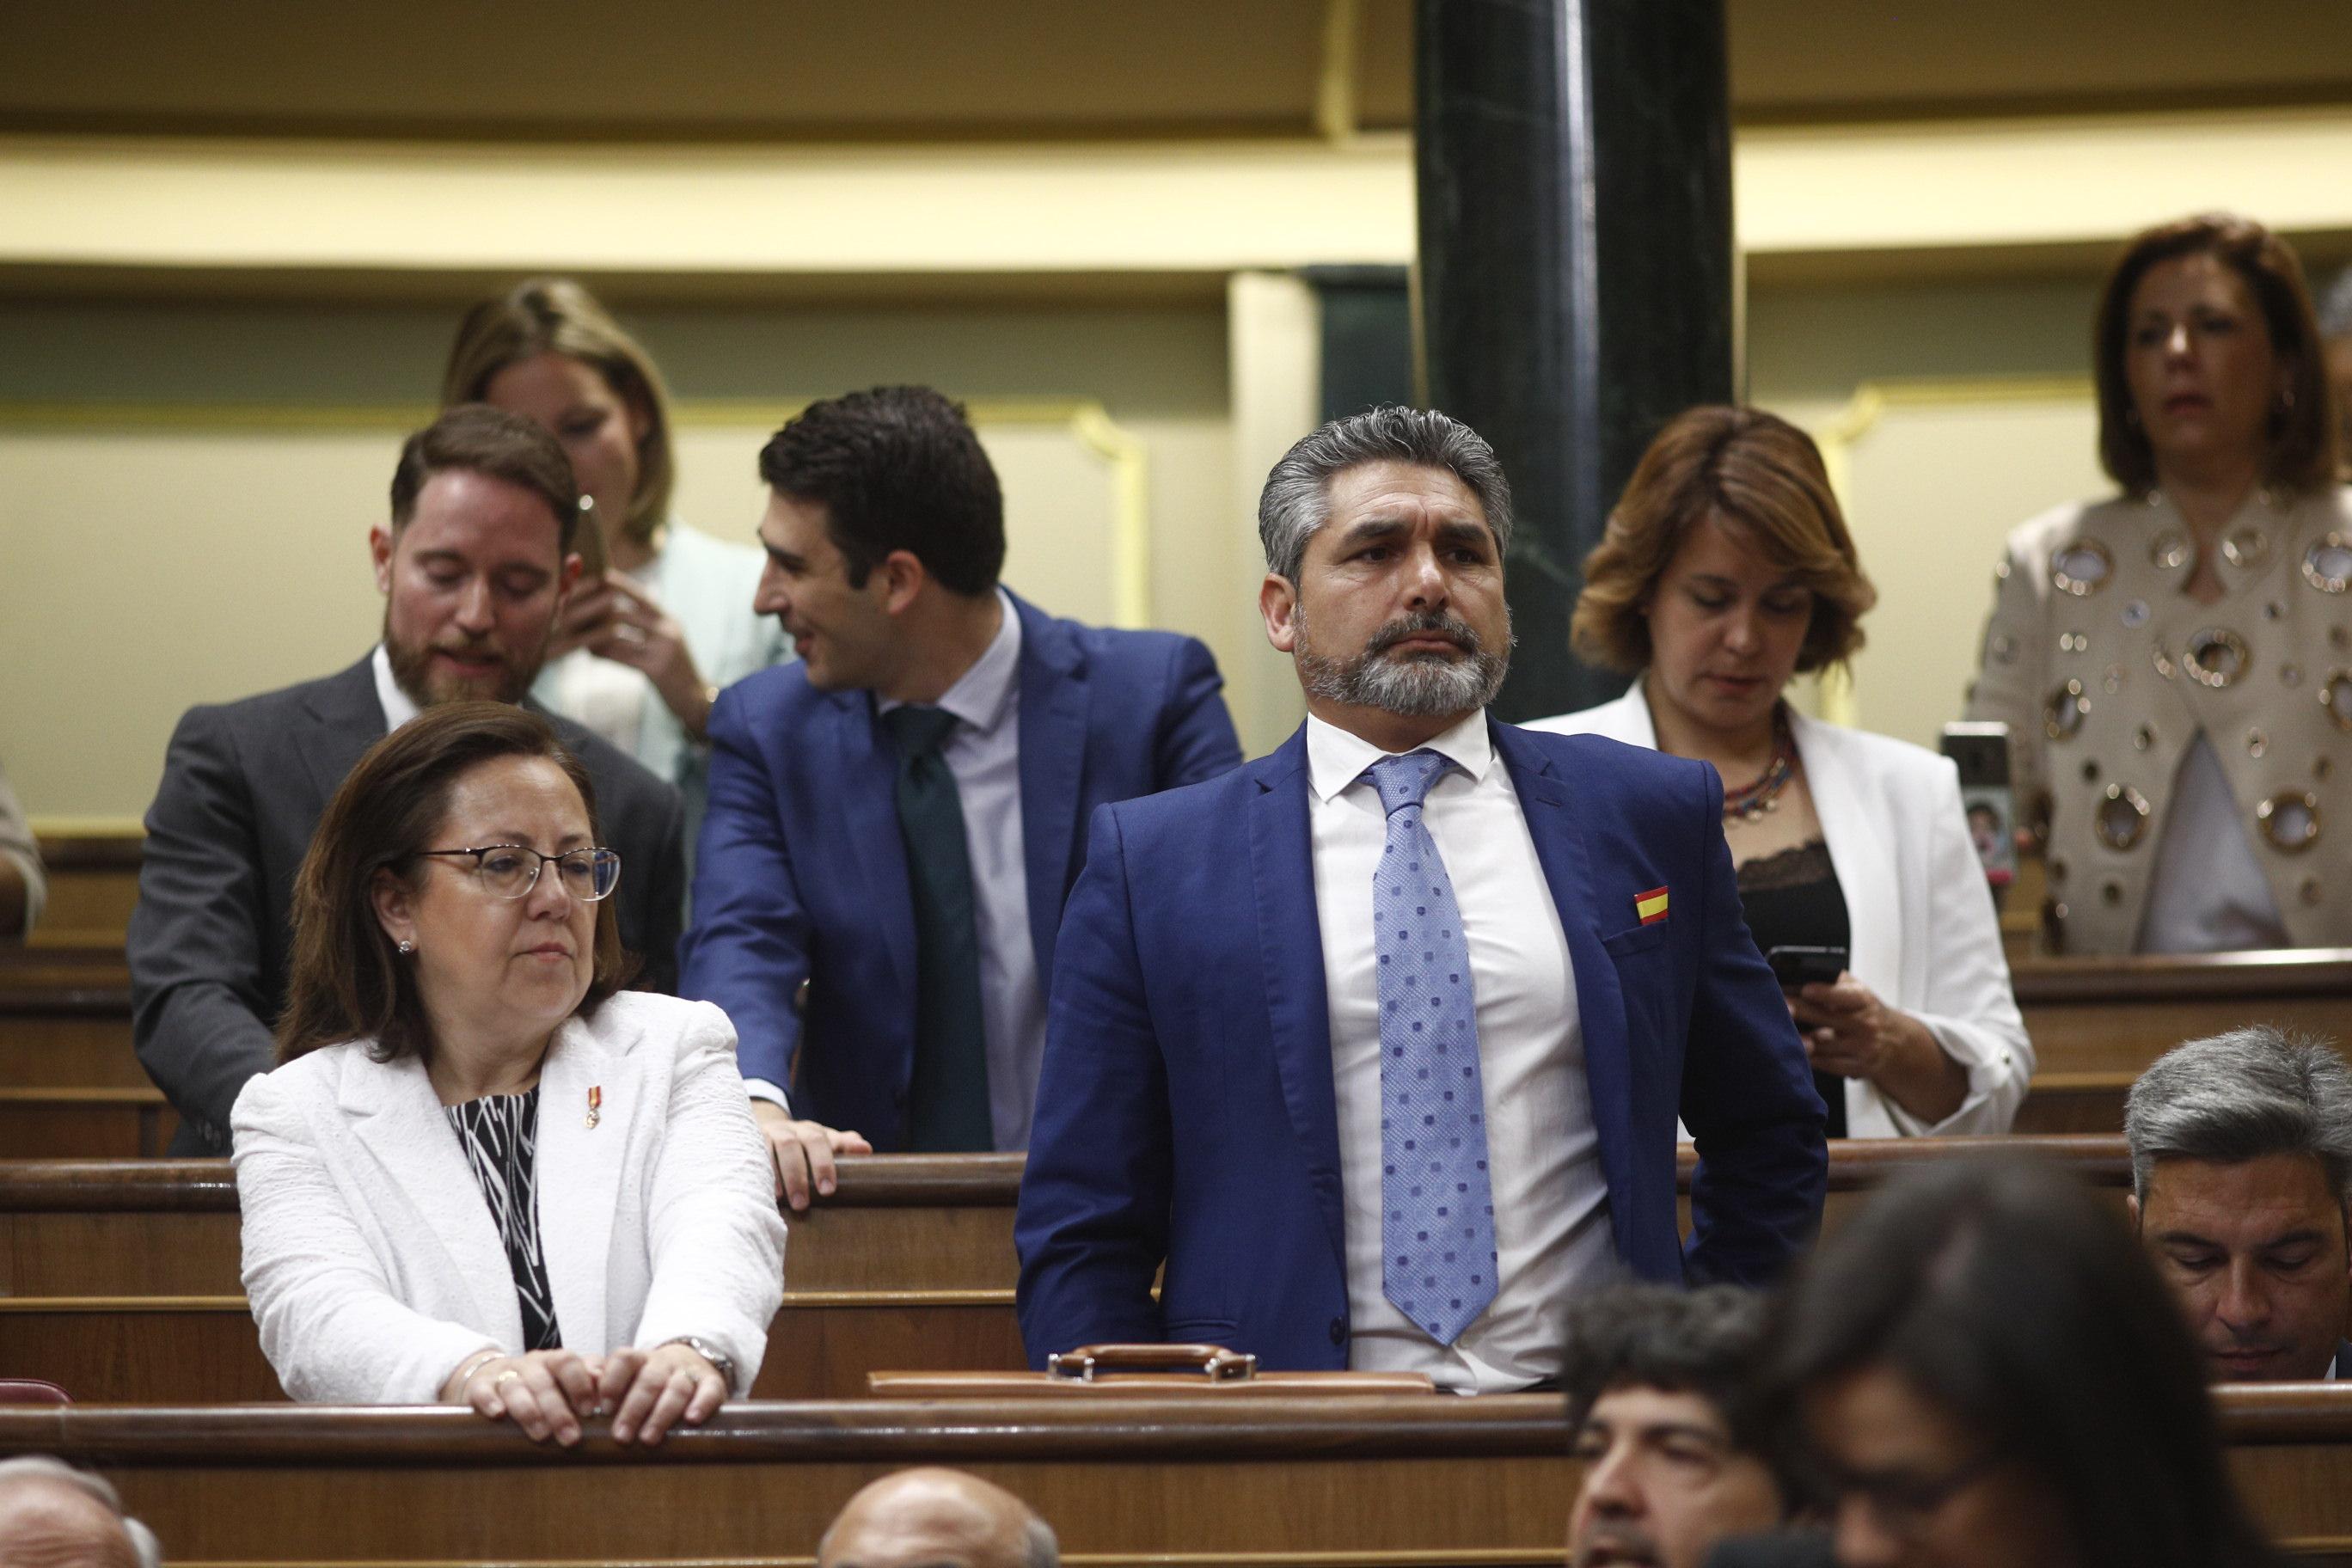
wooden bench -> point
(1181, 1480)
(93, 876)
(119, 1280)
(2096, 1023)
(70, 1086)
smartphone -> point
(1980, 752)
(1798, 966)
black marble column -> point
(1575, 282)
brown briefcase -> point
(1153, 1371)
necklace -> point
(1751, 801)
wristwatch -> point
(709, 1352)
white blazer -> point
(372, 1260)
(1925, 936)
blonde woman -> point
(662, 620)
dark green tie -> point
(948, 1106)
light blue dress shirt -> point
(984, 753)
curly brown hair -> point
(1753, 472)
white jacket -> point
(372, 1262)
(1925, 936)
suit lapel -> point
(579, 1181)
(1054, 702)
(866, 793)
(1545, 801)
(1290, 947)
(1860, 855)
(350, 720)
(394, 1113)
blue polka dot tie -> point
(1437, 1235)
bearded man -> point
(474, 566)
(1378, 1043)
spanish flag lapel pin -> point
(1651, 906)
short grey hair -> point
(1045, 1550)
(41, 1468)
(2335, 307)
(2246, 1095)
(1298, 496)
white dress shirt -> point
(399, 707)
(984, 753)
(1543, 1156)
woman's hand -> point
(614, 617)
(651, 1391)
(1848, 1031)
(545, 1393)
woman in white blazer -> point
(481, 1174)
(1727, 569)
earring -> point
(407, 948)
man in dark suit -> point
(1378, 1043)
(2242, 1190)
(895, 819)
(473, 566)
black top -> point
(1793, 900)
(500, 1134)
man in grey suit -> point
(474, 566)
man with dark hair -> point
(2241, 1189)
(1370, 1054)
(896, 818)
(473, 564)
(1677, 1451)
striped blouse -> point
(500, 1134)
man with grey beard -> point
(1376, 1044)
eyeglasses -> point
(1905, 1504)
(511, 870)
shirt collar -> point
(399, 707)
(1335, 759)
(981, 694)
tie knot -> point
(1403, 781)
(916, 730)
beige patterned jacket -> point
(2104, 672)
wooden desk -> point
(1198, 1480)
(119, 1280)
(2096, 1023)
(70, 1086)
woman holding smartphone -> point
(1726, 570)
(662, 618)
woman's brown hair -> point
(349, 980)
(555, 315)
(1755, 473)
(2302, 456)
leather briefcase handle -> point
(1214, 1363)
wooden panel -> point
(93, 882)
(1196, 1481)
(204, 1350)
(85, 1123)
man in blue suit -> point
(896, 819)
(1378, 1043)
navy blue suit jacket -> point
(1186, 1111)
(804, 926)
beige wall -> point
(207, 539)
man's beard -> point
(413, 671)
(1421, 684)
